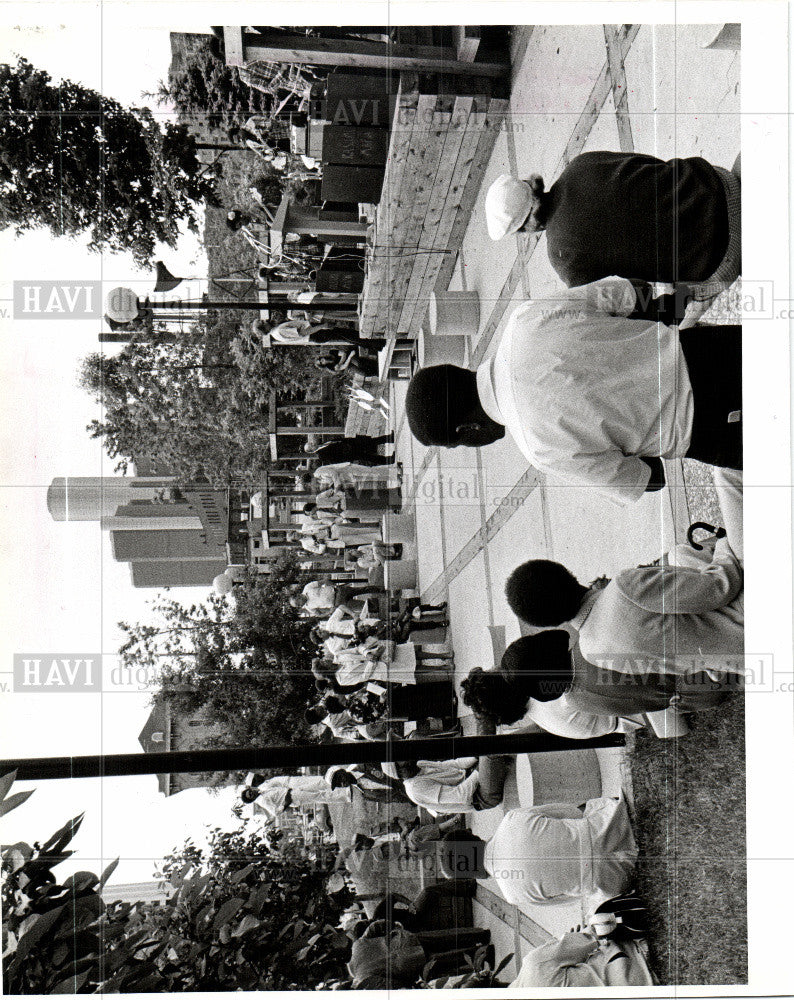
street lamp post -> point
(124, 306)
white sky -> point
(68, 591)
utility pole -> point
(300, 755)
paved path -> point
(481, 512)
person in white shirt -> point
(550, 854)
(274, 795)
(595, 386)
(579, 960)
(331, 714)
(342, 623)
(349, 474)
(315, 597)
(309, 542)
(374, 660)
(439, 786)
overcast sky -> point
(69, 593)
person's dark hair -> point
(334, 704)
(460, 855)
(439, 399)
(236, 219)
(358, 929)
(406, 769)
(315, 714)
(322, 684)
(309, 508)
(488, 692)
(539, 213)
(544, 593)
(249, 795)
(342, 779)
(541, 664)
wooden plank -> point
(449, 89)
(595, 100)
(355, 52)
(497, 108)
(399, 145)
(466, 38)
(391, 223)
(441, 217)
(617, 73)
(431, 238)
(420, 191)
(233, 46)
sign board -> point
(359, 146)
(345, 183)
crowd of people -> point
(596, 386)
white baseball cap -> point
(507, 205)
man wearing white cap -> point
(628, 214)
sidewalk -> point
(481, 512)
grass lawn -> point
(690, 824)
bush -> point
(245, 913)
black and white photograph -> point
(375, 406)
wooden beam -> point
(424, 193)
(406, 112)
(617, 73)
(436, 225)
(467, 41)
(233, 45)
(497, 109)
(305, 431)
(353, 52)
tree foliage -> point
(255, 914)
(60, 937)
(245, 659)
(73, 161)
(243, 913)
(199, 405)
(201, 87)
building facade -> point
(166, 730)
(171, 536)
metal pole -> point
(300, 755)
(279, 304)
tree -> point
(253, 913)
(60, 937)
(245, 659)
(72, 161)
(246, 912)
(201, 403)
(202, 88)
